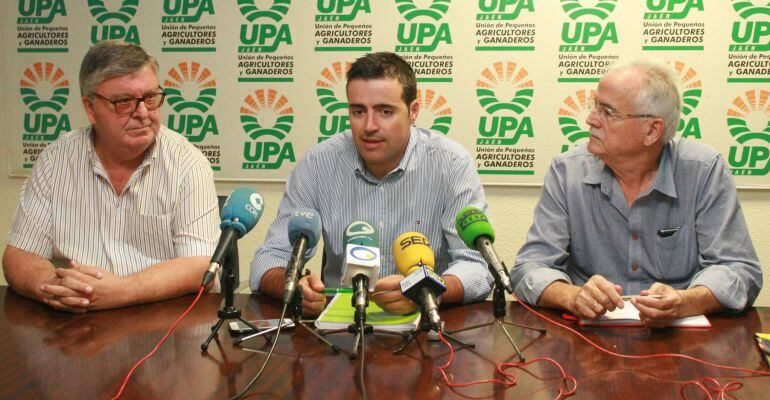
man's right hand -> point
(595, 298)
(313, 297)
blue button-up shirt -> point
(435, 179)
(687, 229)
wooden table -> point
(46, 354)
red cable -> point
(157, 346)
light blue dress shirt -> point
(686, 230)
(435, 179)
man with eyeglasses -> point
(638, 212)
(121, 212)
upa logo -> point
(587, 36)
(40, 11)
(191, 118)
(422, 36)
(186, 11)
(748, 120)
(503, 10)
(671, 9)
(329, 88)
(266, 37)
(123, 16)
(505, 129)
(692, 89)
(267, 115)
(341, 10)
(573, 113)
(753, 33)
(44, 90)
(436, 108)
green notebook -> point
(339, 314)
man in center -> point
(386, 171)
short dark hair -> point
(110, 59)
(386, 65)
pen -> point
(652, 296)
(337, 290)
(668, 232)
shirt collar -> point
(149, 156)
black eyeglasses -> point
(606, 112)
(127, 105)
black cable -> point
(269, 354)
(363, 355)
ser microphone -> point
(304, 232)
(477, 233)
(240, 214)
(414, 259)
(361, 265)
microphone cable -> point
(157, 346)
(363, 355)
(267, 359)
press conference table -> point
(47, 354)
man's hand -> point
(71, 290)
(387, 295)
(658, 313)
(313, 297)
(595, 298)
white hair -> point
(659, 94)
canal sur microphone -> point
(240, 214)
(361, 265)
(414, 259)
(477, 233)
(304, 232)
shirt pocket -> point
(673, 255)
(151, 236)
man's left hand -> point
(658, 313)
(107, 290)
(387, 295)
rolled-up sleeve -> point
(32, 222)
(729, 264)
(196, 218)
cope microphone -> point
(477, 233)
(304, 232)
(414, 259)
(361, 265)
(241, 212)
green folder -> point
(339, 314)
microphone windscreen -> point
(362, 233)
(472, 223)
(411, 250)
(242, 210)
(305, 221)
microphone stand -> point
(229, 283)
(499, 307)
(426, 326)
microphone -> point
(241, 212)
(414, 259)
(477, 233)
(304, 232)
(361, 265)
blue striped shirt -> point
(69, 210)
(435, 179)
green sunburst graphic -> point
(746, 8)
(201, 103)
(33, 102)
(575, 10)
(329, 101)
(442, 124)
(277, 11)
(520, 101)
(740, 131)
(572, 130)
(435, 11)
(126, 12)
(255, 130)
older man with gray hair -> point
(121, 212)
(637, 212)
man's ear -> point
(414, 110)
(655, 130)
(88, 105)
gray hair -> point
(110, 59)
(659, 94)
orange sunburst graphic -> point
(263, 99)
(189, 72)
(578, 102)
(43, 72)
(333, 75)
(501, 72)
(752, 100)
(688, 78)
(433, 102)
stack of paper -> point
(629, 316)
(339, 314)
